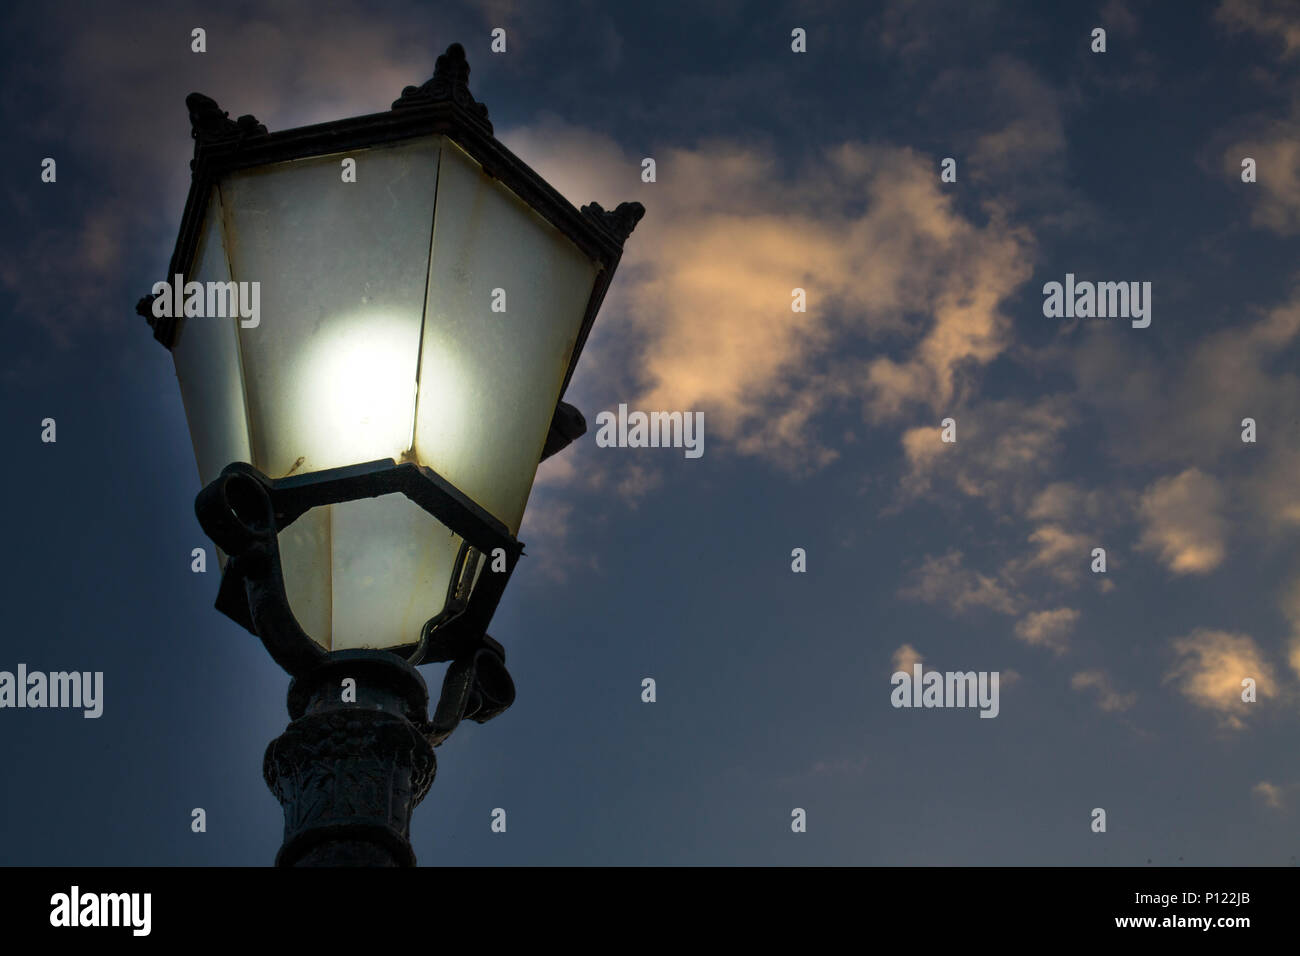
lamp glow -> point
(362, 381)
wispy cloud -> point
(1183, 522)
(946, 582)
(1004, 452)
(1271, 19)
(1049, 629)
(1108, 698)
(1270, 793)
(1273, 143)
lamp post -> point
(373, 321)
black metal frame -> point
(243, 512)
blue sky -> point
(775, 170)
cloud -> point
(1062, 501)
(704, 312)
(1275, 194)
(1270, 793)
(1065, 554)
(944, 581)
(1253, 371)
(1290, 604)
(1032, 128)
(1049, 629)
(1108, 698)
(1272, 19)
(545, 529)
(1062, 554)
(905, 657)
(1251, 367)
(1273, 144)
(1004, 457)
(1182, 523)
(1005, 121)
(1004, 449)
(1196, 423)
(1210, 668)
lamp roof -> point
(442, 105)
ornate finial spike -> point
(620, 222)
(450, 82)
(452, 69)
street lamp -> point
(373, 321)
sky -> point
(1120, 690)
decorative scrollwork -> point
(209, 123)
(351, 768)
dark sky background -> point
(774, 170)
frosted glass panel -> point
(392, 563)
(367, 573)
(330, 369)
(207, 366)
(489, 380)
(305, 559)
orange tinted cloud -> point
(1183, 523)
(1211, 666)
(867, 231)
